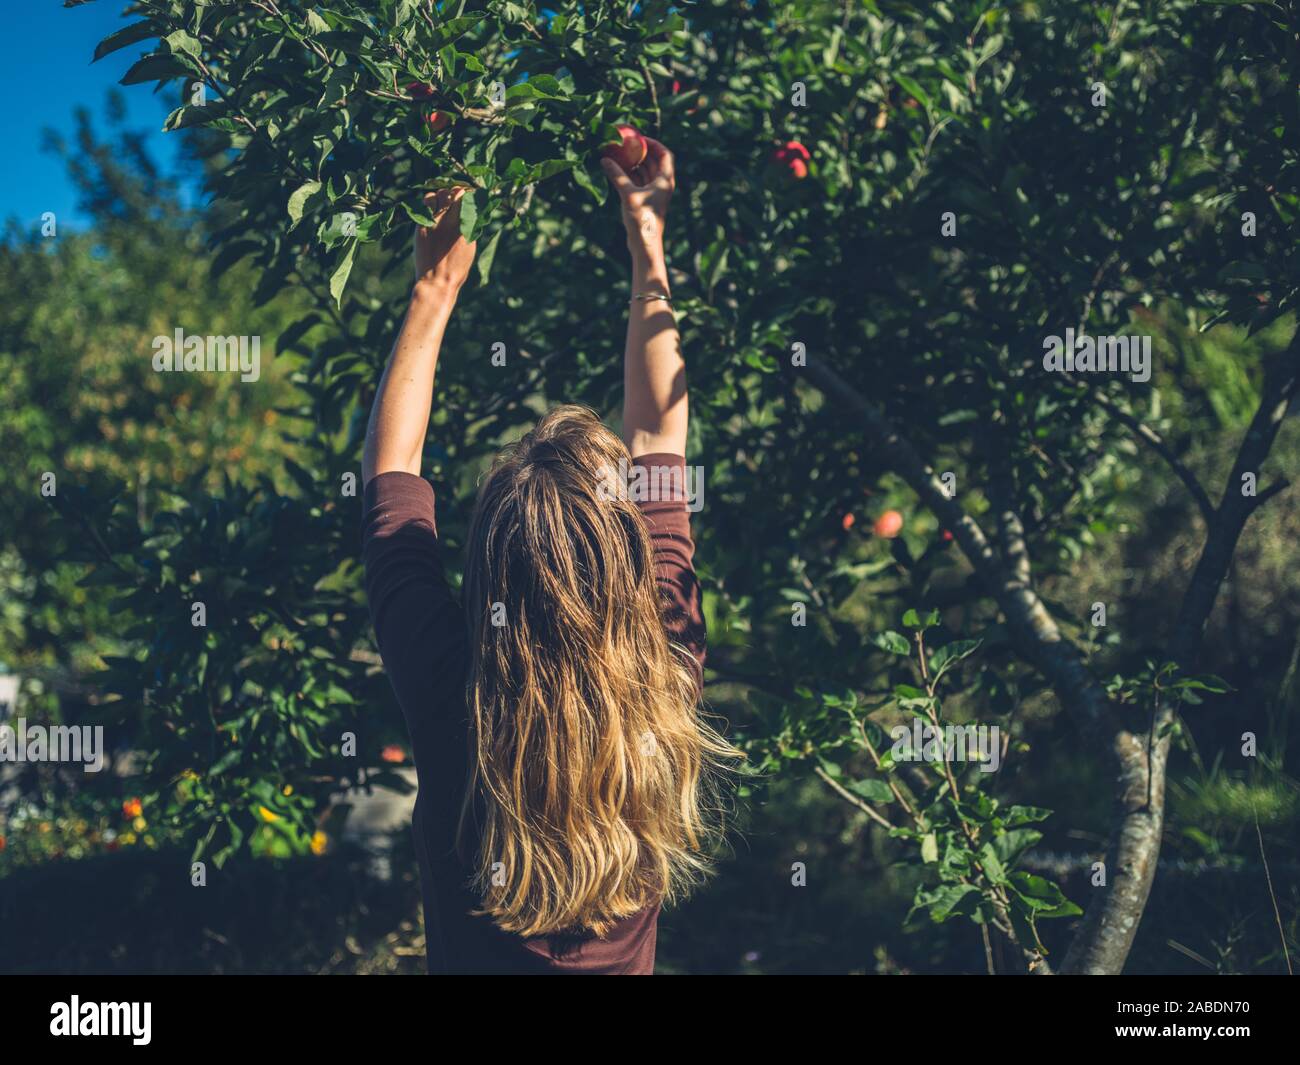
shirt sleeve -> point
(419, 626)
(663, 503)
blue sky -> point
(45, 73)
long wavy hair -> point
(592, 786)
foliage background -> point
(177, 487)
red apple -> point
(631, 153)
(888, 525)
(792, 157)
(438, 120)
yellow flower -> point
(127, 838)
(319, 841)
(287, 790)
(139, 824)
(268, 815)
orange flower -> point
(132, 808)
(319, 841)
(393, 753)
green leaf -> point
(950, 900)
(913, 89)
(929, 848)
(339, 279)
(538, 87)
(830, 768)
(713, 264)
(299, 199)
(547, 85)
(1041, 896)
(1011, 845)
(1023, 924)
(486, 254)
(227, 760)
(1205, 682)
(950, 653)
(447, 57)
(194, 115)
(1023, 815)
(1241, 270)
(157, 67)
(229, 255)
(992, 864)
(469, 213)
(419, 216)
(127, 35)
(180, 41)
(893, 642)
(583, 180)
(913, 620)
(545, 169)
(872, 790)
(289, 338)
(453, 28)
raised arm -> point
(399, 417)
(654, 374)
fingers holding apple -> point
(442, 255)
(658, 165)
(644, 188)
(629, 153)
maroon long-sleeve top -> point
(422, 636)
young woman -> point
(565, 774)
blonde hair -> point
(591, 774)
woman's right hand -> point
(442, 256)
(644, 195)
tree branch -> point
(849, 797)
(1281, 383)
(1155, 442)
(1037, 635)
(1010, 525)
(1106, 936)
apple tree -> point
(883, 214)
